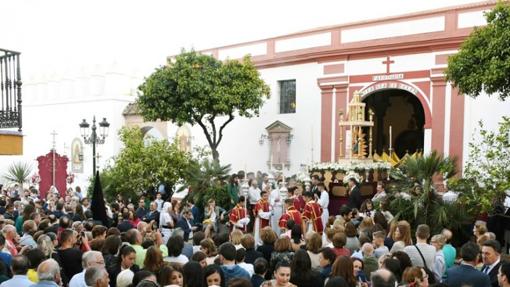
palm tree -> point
(206, 179)
(18, 172)
(415, 177)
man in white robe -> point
(276, 201)
(324, 203)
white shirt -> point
(182, 259)
(275, 198)
(248, 267)
(253, 195)
(324, 200)
(492, 266)
(78, 280)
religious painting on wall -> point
(184, 139)
(279, 137)
(77, 156)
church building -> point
(397, 65)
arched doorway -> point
(402, 111)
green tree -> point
(18, 172)
(199, 89)
(142, 165)
(483, 61)
(207, 179)
(487, 172)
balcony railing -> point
(10, 90)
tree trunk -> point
(215, 154)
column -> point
(457, 127)
(341, 100)
(326, 109)
(438, 113)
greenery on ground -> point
(199, 89)
(487, 172)
(414, 197)
(483, 61)
(18, 172)
(207, 179)
(143, 165)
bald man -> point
(89, 259)
(48, 273)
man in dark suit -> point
(185, 223)
(466, 274)
(355, 199)
(314, 188)
(491, 255)
(153, 214)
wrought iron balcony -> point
(10, 90)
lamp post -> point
(94, 138)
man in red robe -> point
(291, 213)
(238, 216)
(261, 210)
(295, 194)
(312, 214)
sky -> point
(55, 34)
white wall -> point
(484, 108)
(240, 146)
(60, 100)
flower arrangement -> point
(353, 166)
(350, 175)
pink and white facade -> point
(407, 52)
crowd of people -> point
(274, 235)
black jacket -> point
(355, 199)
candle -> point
(390, 139)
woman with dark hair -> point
(177, 275)
(213, 275)
(344, 268)
(153, 260)
(359, 266)
(367, 208)
(207, 246)
(233, 189)
(302, 273)
(282, 274)
(199, 257)
(165, 275)
(192, 273)
(336, 281)
(296, 237)
(352, 241)
(125, 260)
(110, 249)
(404, 261)
(27, 212)
(79, 214)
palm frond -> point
(18, 172)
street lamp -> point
(94, 138)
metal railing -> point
(10, 90)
